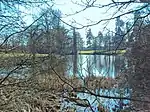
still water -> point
(98, 65)
(105, 66)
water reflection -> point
(110, 104)
(106, 66)
(97, 65)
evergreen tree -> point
(79, 41)
(99, 40)
(129, 37)
(107, 41)
(89, 38)
(119, 31)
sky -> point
(91, 14)
(84, 17)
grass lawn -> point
(101, 51)
(12, 54)
(5, 55)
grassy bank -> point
(5, 55)
(83, 52)
(102, 52)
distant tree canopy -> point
(46, 35)
(119, 33)
(52, 41)
(50, 19)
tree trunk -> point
(74, 53)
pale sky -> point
(94, 14)
(85, 17)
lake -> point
(92, 65)
(103, 66)
(97, 65)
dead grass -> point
(95, 82)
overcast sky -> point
(94, 14)
(85, 17)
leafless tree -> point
(38, 82)
(136, 32)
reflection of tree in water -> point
(95, 59)
(90, 65)
(119, 63)
(80, 66)
(116, 64)
(99, 65)
(106, 65)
